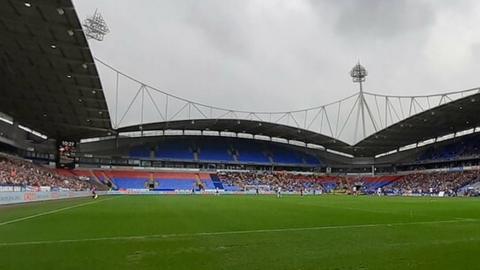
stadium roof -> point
(49, 83)
(364, 124)
(248, 127)
(48, 79)
(455, 116)
(445, 119)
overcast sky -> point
(290, 54)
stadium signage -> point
(23, 197)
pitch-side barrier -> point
(25, 197)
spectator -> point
(16, 172)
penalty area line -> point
(200, 234)
(51, 212)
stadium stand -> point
(217, 183)
(161, 181)
(311, 160)
(211, 150)
(181, 149)
(272, 181)
(253, 152)
(225, 150)
(433, 183)
(415, 183)
(463, 147)
(371, 184)
(140, 152)
(18, 172)
(284, 155)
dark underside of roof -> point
(249, 127)
(48, 79)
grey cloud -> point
(222, 23)
(383, 18)
(284, 54)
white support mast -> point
(359, 74)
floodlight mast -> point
(95, 27)
(359, 74)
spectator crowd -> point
(285, 181)
(17, 172)
(433, 183)
(416, 183)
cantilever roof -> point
(458, 115)
(49, 82)
(247, 126)
(48, 79)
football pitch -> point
(242, 232)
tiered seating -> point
(450, 183)
(213, 150)
(164, 181)
(311, 160)
(420, 183)
(15, 171)
(130, 183)
(329, 183)
(297, 182)
(227, 150)
(284, 155)
(281, 155)
(251, 152)
(217, 183)
(101, 176)
(175, 150)
(140, 152)
(124, 179)
(373, 183)
(467, 146)
(65, 172)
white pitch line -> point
(164, 236)
(51, 212)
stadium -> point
(151, 180)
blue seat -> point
(209, 150)
(252, 152)
(174, 150)
(140, 152)
(130, 183)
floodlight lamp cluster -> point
(358, 73)
(95, 27)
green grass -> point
(247, 232)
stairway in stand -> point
(216, 181)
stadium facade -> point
(60, 141)
(52, 98)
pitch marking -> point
(51, 212)
(163, 236)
